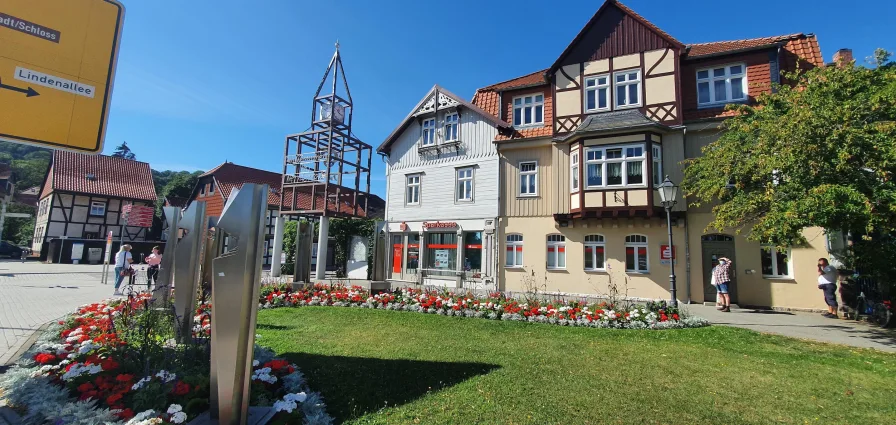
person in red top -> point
(154, 259)
(722, 275)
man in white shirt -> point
(123, 262)
(827, 282)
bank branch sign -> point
(57, 65)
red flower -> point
(124, 378)
(663, 318)
(44, 358)
(674, 317)
(126, 414)
(181, 388)
(85, 387)
(112, 399)
(109, 364)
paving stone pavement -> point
(801, 325)
(33, 293)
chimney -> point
(843, 57)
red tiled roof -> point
(803, 45)
(231, 176)
(113, 176)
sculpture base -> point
(257, 416)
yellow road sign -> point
(57, 65)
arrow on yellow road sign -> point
(66, 49)
(29, 92)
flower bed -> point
(115, 362)
(497, 306)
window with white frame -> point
(528, 110)
(465, 184)
(615, 166)
(636, 254)
(529, 178)
(722, 84)
(657, 165)
(594, 252)
(514, 254)
(775, 262)
(556, 252)
(429, 132)
(628, 88)
(97, 208)
(574, 172)
(451, 127)
(597, 93)
(413, 189)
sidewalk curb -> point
(26, 345)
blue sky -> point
(201, 82)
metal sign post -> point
(105, 279)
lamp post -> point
(668, 193)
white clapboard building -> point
(442, 194)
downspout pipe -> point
(687, 237)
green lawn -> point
(385, 367)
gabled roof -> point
(487, 98)
(803, 45)
(101, 175)
(231, 176)
(435, 91)
(176, 201)
(594, 19)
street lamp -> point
(668, 194)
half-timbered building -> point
(619, 109)
(82, 198)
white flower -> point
(179, 418)
(255, 363)
(297, 397)
(174, 408)
(283, 405)
(166, 376)
(141, 383)
(81, 369)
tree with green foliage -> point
(819, 153)
(174, 183)
(123, 151)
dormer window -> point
(722, 84)
(528, 110)
(91, 176)
(451, 121)
(429, 132)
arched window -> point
(594, 252)
(636, 254)
(556, 252)
(514, 254)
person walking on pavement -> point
(827, 282)
(123, 262)
(722, 275)
(152, 273)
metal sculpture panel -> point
(186, 267)
(236, 279)
(162, 292)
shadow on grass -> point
(274, 327)
(355, 386)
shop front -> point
(454, 254)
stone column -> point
(322, 235)
(278, 246)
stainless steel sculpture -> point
(186, 267)
(236, 279)
(162, 292)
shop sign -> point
(439, 225)
(667, 254)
